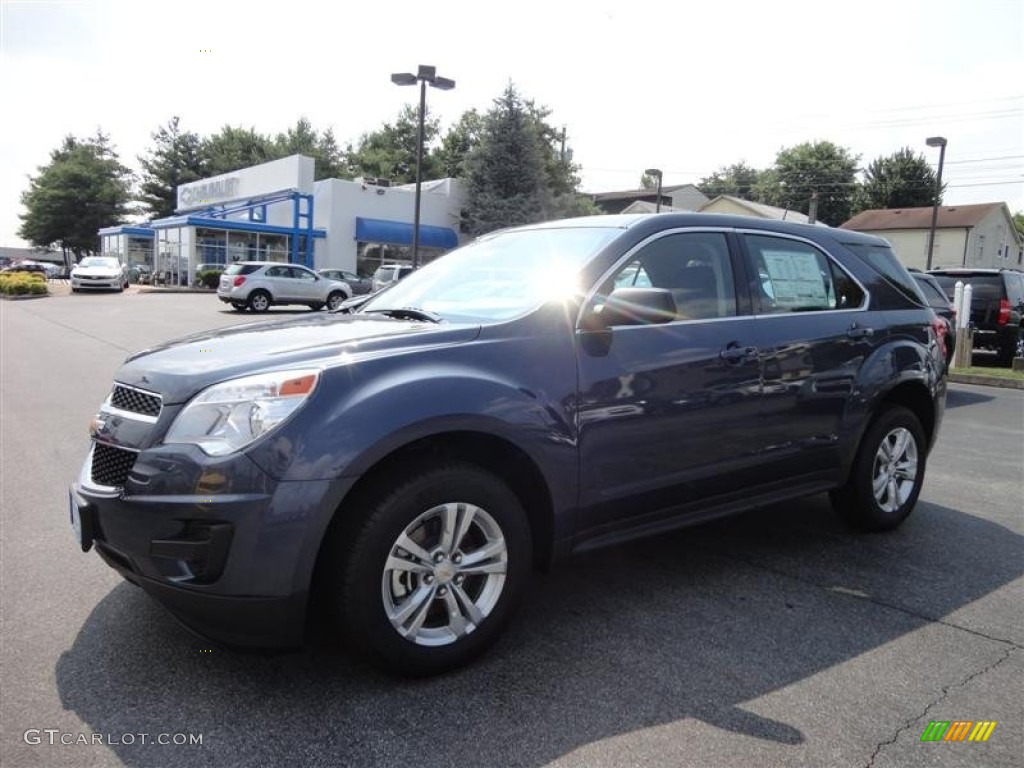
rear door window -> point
(793, 276)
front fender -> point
(385, 415)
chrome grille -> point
(135, 401)
(111, 465)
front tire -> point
(434, 571)
(887, 473)
(335, 299)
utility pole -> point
(812, 211)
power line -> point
(984, 159)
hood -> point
(97, 271)
(180, 368)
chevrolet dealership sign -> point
(290, 174)
(207, 192)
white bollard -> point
(958, 301)
(964, 347)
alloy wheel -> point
(444, 574)
(895, 469)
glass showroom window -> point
(211, 246)
(140, 251)
(274, 247)
(172, 263)
(242, 246)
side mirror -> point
(633, 306)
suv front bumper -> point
(234, 567)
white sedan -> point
(99, 272)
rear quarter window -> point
(241, 269)
(882, 259)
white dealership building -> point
(277, 212)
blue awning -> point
(400, 233)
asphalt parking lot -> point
(773, 639)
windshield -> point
(500, 277)
(99, 261)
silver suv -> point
(387, 274)
(257, 285)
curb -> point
(986, 381)
(23, 297)
(206, 292)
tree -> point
(457, 143)
(648, 181)
(176, 158)
(303, 139)
(83, 189)
(390, 151)
(738, 180)
(904, 179)
(234, 148)
(520, 169)
(813, 167)
(506, 175)
(1018, 222)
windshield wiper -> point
(406, 313)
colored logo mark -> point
(958, 730)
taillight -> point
(939, 326)
(238, 281)
(1004, 312)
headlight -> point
(228, 416)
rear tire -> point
(431, 570)
(887, 473)
(259, 301)
(1008, 350)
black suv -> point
(542, 391)
(997, 306)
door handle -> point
(860, 332)
(737, 354)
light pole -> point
(425, 74)
(940, 142)
(656, 172)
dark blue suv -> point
(543, 391)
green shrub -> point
(22, 284)
(209, 278)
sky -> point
(685, 87)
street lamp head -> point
(403, 78)
(936, 141)
(443, 83)
(426, 72)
